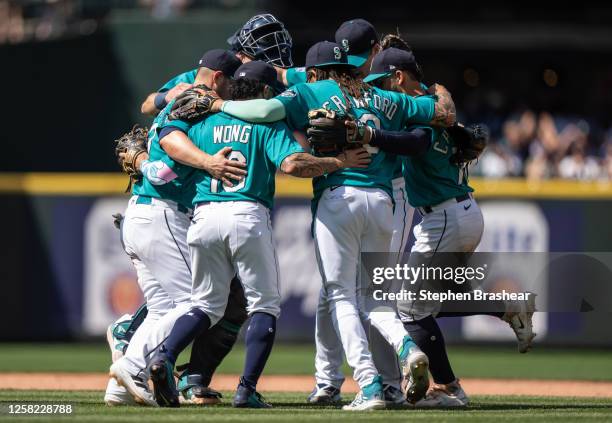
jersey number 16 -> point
(215, 184)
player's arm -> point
(403, 143)
(445, 113)
(304, 165)
(158, 100)
(257, 111)
(437, 109)
(180, 148)
(156, 172)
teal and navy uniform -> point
(381, 109)
(295, 76)
(186, 77)
(262, 146)
(180, 189)
(430, 177)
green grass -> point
(291, 407)
(299, 359)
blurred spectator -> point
(498, 161)
(163, 9)
(577, 165)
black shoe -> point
(164, 388)
(246, 397)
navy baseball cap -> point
(357, 37)
(326, 53)
(258, 71)
(388, 61)
(220, 60)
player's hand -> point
(358, 157)
(225, 170)
(176, 90)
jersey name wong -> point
(231, 133)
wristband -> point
(160, 100)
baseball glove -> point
(470, 142)
(193, 104)
(330, 132)
(132, 144)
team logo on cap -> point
(345, 45)
(242, 74)
(288, 93)
(337, 53)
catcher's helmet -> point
(265, 38)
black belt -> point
(429, 209)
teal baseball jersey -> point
(295, 76)
(430, 177)
(263, 147)
(186, 77)
(379, 109)
(179, 186)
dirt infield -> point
(97, 381)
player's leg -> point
(212, 272)
(210, 348)
(328, 358)
(385, 357)
(447, 230)
(383, 315)
(254, 258)
(138, 233)
(339, 224)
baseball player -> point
(359, 40)
(342, 231)
(231, 234)
(437, 186)
(154, 233)
(262, 37)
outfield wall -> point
(66, 276)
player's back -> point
(262, 147)
(431, 178)
(377, 108)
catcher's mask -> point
(265, 38)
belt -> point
(431, 209)
(145, 199)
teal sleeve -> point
(296, 106)
(417, 109)
(187, 77)
(295, 76)
(281, 143)
(257, 111)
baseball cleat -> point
(370, 397)
(415, 371)
(247, 397)
(519, 315)
(137, 387)
(164, 386)
(193, 391)
(116, 395)
(323, 394)
(394, 397)
(114, 334)
(450, 395)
